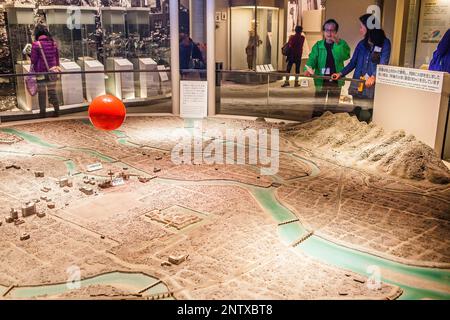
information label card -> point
(194, 99)
(425, 80)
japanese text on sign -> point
(425, 80)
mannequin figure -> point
(250, 49)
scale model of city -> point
(353, 212)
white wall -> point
(222, 35)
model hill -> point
(345, 139)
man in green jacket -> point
(326, 56)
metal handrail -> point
(283, 74)
(274, 73)
(75, 72)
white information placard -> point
(425, 80)
(163, 75)
(260, 68)
(193, 99)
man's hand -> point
(309, 72)
(336, 76)
(370, 82)
(336, 38)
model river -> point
(402, 275)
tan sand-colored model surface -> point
(353, 212)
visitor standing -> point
(44, 58)
(294, 55)
(327, 57)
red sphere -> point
(107, 112)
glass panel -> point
(311, 98)
(141, 91)
(113, 23)
(192, 25)
(243, 40)
(267, 30)
(159, 39)
(254, 37)
(411, 33)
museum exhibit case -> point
(138, 33)
(73, 29)
(116, 45)
(159, 41)
(139, 52)
(254, 41)
(67, 31)
(20, 26)
(115, 42)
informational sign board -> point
(433, 23)
(304, 83)
(424, 80)
(193, 99)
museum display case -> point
(159, 37)
(20, 27)
(138, 32)
(74, 32)
(115, 42)
(20, 19)
(254, 41)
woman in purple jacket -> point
(50, 50)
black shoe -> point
(286, 84)
(296, 84)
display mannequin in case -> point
(250, 49)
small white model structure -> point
(63, 182)
(28, 209)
